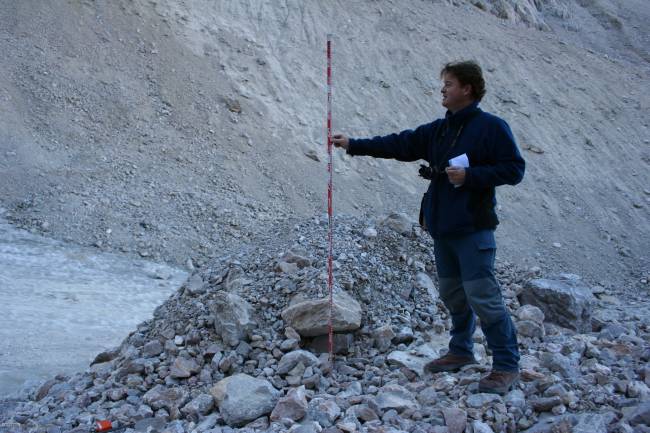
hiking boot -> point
(498, 382)
(449, 362)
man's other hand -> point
(456, 175)
(341, 140)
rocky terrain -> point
(242, 347)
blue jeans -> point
(468, 286)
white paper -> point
(459, 161)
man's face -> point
(454, 95)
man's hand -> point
(456, 175)
(340, 140)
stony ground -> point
(230, 351)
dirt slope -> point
(180, 129)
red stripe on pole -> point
(330, 275)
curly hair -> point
(467, 72)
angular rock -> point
(455, 419)
(310, 317)
(161, 397)
(528, 328)
(195, 285)
(398, 221)
(530, 312)
(481, 427)
(293, 406)
(323, 411)
(200, 405)
(424, 282)
(639, 415)
(233, 317)
(290, 360)
(242, 398)
(480, 400)
(564, 302)
(382, 337)
(298, 258)
(407, 360)
(395, 397)
(183, 368)
(152, 348)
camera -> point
(427, 172)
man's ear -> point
(467, 90)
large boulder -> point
(565, 302)
(311, 317)
(242, 398)
(233, 317)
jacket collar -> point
(461, 115)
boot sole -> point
(488, 390)
(450, 368)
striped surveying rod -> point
(330, 275)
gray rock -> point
(352, 389)
(639, 415)
(424, 282)
(528, 328)
(161, 397)
(202, 404)
(559, 363)
(323, 411)
(195, 285)
(400, 222)
(455, 419)
(515, 398)
(290, 360)
(233, 317)
(481, 399)
(545, 404)
(564, 302)
(382, 337)
(530, 312)
(412, 362)
(152, 348)
(481, 427)
(293, 406)
(183, 368)
(395, 397)
(311, 317)
(242, 398)
(592, 422)
(297, 257)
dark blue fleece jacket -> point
(493, 157)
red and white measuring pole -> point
(330, 192)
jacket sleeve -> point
(409, 145)
(507, 165)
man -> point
(458, 210)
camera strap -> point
(438, 164)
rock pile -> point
(241, 347)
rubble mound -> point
(242, 347)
